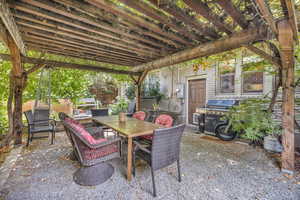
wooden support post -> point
(138, 90)
(285, 34)
(19, 78)
(138, 97)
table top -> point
(130, 128)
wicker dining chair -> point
(39, 122)
(92, 153)
(164, 120)
(163, 151)
(141, 115)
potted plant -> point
(271, 140)
(120, 107)
(254, 123)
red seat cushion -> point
(164, 120)
(139, 115)
(80, 129)
(91, 154)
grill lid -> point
(214, 103)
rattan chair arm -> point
(97, 132)
(102, 144)
(139, 146)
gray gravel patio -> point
(211, 170)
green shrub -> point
(252, 120)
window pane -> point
(227, 83)
(226, 77)
(252, 82)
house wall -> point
(173, 78)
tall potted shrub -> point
(254, 123)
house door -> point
(197, 96)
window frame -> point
(233, 63)
(255, 59)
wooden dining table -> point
(129, 129)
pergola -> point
(147, 35)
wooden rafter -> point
(171, 8)
(203, 10)
(62, 44)
(267, 15)
(35, 34)
(66, 49)
(232, 11)
(160, 16)
(66, 24)
(9, 22)
(52, 63)
(172, 38)
(231, 42)
(46, 31)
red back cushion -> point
(139, 115)
(165, 120)
(84, 133)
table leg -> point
(129, 159)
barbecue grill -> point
(208, 117)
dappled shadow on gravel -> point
(211, 170)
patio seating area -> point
(211, 169)
(91, 65)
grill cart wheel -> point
(224, 132)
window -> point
(226, 77)
(253, 78)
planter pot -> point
(272, 144)
(122, 117)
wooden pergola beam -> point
(57, 22)
(267, 15)
(37, 29)
(11, 26)
(203, 10)
(171, 8)
(76, 53)
(290, 12)
(273, 60)
(232, 11)
(44, 36)
(161, 17)
(52, 63)
(172, 38)
(63, 44)
(233, 41)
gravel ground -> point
(211, 169)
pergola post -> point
(286, 42)
(19, 78)
(138, 90)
